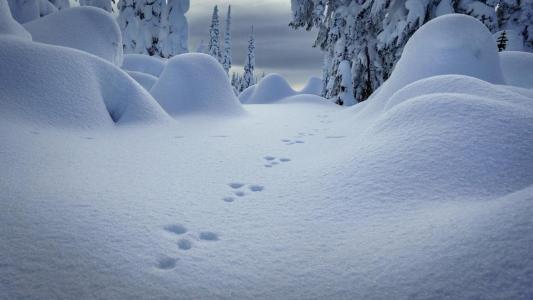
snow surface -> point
(428, 195)
(195, 83)
(27, 10)
(72, 27)
(143, 63)
(64, 88)
(8, 26)
(244, 96)
(517, 68)
(146, 80)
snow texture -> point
(516, 67)
(8, 26)
(72, 27)
(59, 87)
(312, 87)
(146, 80)
(196, 83)
(27, 10)
(143, 63)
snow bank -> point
(313, 86)
(8, 26)
(515, 42)
(450, 44)
(60, 87)
(27, 10)
(195, 83)
(147, 81)
(517, 68)
(143, 63)
(85, 28)
(270, 89)
(245, 95)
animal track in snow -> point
(208, 236)
(256, 188)
(237, 190)
(272, 161)
(236, 185)
(166, 263)
(184, 244)
(176, 229)
(240, 194)
(228, 199)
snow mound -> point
(515, 42)
(313, 87)
(143, 63)
(72, 27)
(245, 95)
(195, 83)
(27, 10)
(147, 81)
(456, 84)
(78, 91)
(517, 68)
(8, 26)
(450, 44)
(271, 89)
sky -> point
(279, 49)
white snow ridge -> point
(150, 180)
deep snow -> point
(424, 191)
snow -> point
(8, 26)
(28, 10)
(78, 90)
(146, 80)
(516, 67)
(515, 42)
(143, 63)
(195, 83)
(244, 96)
(312, 87)
(423, 191)
(71, 27)
(272, 88)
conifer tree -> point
(213, 47)
(248, 78)
(226, 59)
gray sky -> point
(279, 49)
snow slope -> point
(60, 87)
(8, 26)
(143, 63)
(516, 67)
(146, 80)
(71, 27)
(427, 195)
(195, 83)
(312, 87)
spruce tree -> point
(174, 34)
(129, 24)
(248, 78)
(226, 59)
(502, 41)
(213, 47)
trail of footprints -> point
(273, 161)
(240, 190)
(184, 243)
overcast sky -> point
(278, 48)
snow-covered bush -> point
(516, 67)
(146, 80)
(27, 10)
(270, 89)
(195, 83)
(8, 26)
(144, 64)
(85, 28)
(312, 87)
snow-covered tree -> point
(201, 47)
(502, 41)
(129, 24)
(25, 11)
(106, 5)
(60, 4)
(149, 12)
(226, 56)
(248, 77)
(213, 48)
(174, 36)
(371, 34)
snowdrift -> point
(85, 28)
(272, 88)
(64, 88)
(453, 136)
(143, 63)
(195, 83)
(517, 68)
(147, 81)
(244, 96)
(312, 87)
(8, 26)
(450, 44)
